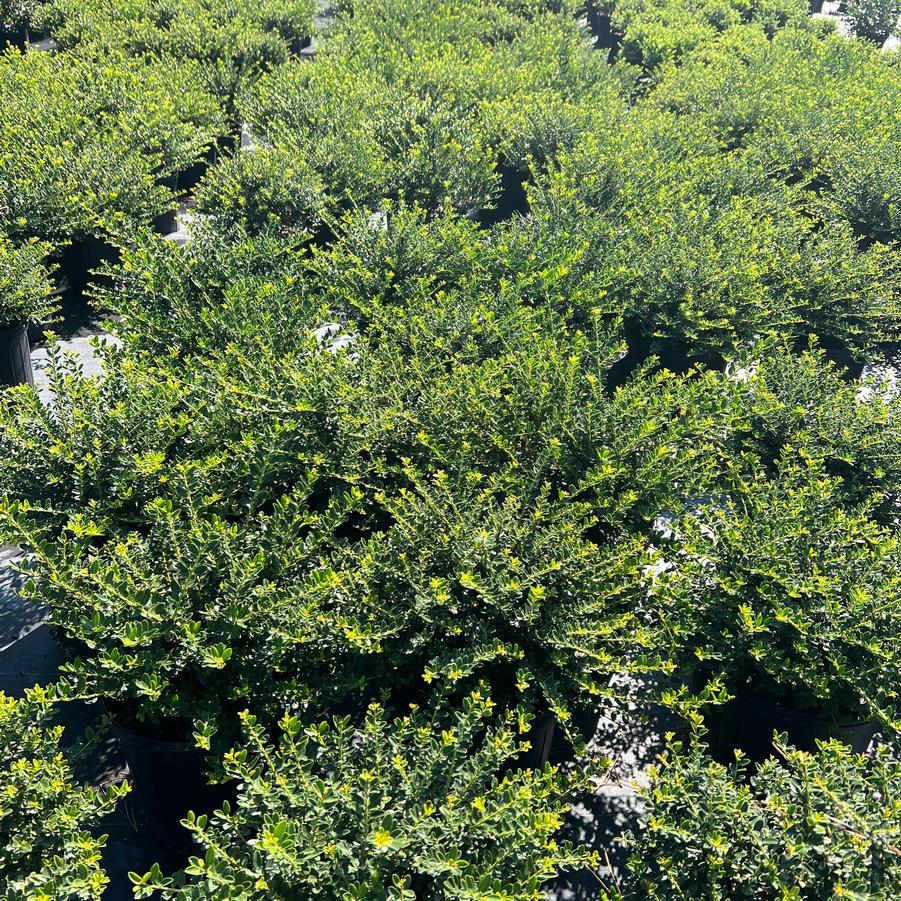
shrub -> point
(16, 17)
(414, 808)
(789, 590)
(83, 143)
(874, 20)
(820, 113)
(25, 289)
(691, 245)
(808, 826)
(269, 186)
(176, 638)
(664, 31)
(799, 407)
(408, 117)
(46, 848)
(224, 289)
(234, 42)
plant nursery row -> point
(518, 363)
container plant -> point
(787, 596)
(48, 842)
(805, 825)
(25, 299)
(84, 140)
(422, 806)
(801, 405)
(110, 533)
(873, 20)
(234, 44)
(264, 189)
(16, 20)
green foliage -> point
(662, 32)
(800, 407)
(784, 588)
(233, 41)
(263, 188)
(874, 20)
(224, 288)
(83, 141)
(422, 807)
(46, 848)
(16, 16)
(25, 289)
(821, 113)
(806, 826)
(689, 244)
(389, 111)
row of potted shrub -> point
(106, 134)
(345, 463)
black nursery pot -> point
(15, 356)
(601, 26)
(677, 356)
(300, 44)
(816, 6)
(512, 198)
(849, 366)
(549, 742)
(77, 261)
(748, 722)
(169, 778)
(165, 223)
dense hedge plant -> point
(233, 41)
(804, 825)
(788, 590)
(429, 122)
(663, 31)
(817, 112)
(306, 482)
(875, 20)
(225, 288)
(692, 246)
(47, 848)
(801, 407)
(173, 555)
(17, 17)
(84, 140)
(25, 289)
(421, 807)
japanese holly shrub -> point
(377, 265)
(418, 807)
(25, 289)
(47, 848)
(84, 140)
(803, 825)
(799, 406)
(466, 24)
(376, 132)
(709, 251)
(182, 553)
(789, 590)
(874, 20)
(505, 547)
(816, 112)
(224, 288)
(265, 188)
(664, 31)
(234, 42)
(429, 122)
